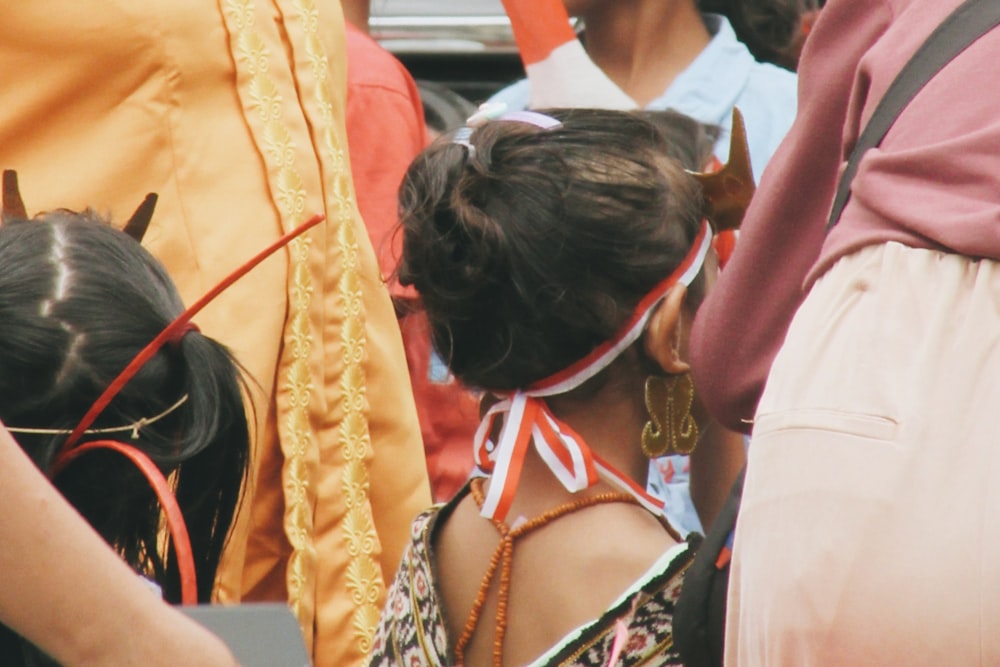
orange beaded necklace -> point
(502, 559)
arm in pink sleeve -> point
(742, 323)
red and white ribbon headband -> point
(528, 420)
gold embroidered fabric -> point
(263, 99)
(233, 112)
(364, 579)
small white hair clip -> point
(487, 111)
(462, 137)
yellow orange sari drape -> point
(232, 111)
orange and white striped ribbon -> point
(527, 419)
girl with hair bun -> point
(560, 257)
(79, 301)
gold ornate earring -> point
(671, 428)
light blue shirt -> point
(725, 74)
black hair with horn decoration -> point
(13, 205)
(14, 209)
(728, 191)
(139, 222)
(195, 518)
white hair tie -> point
(497, 111)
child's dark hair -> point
(79, 300)
(535, 246)
(773, 30)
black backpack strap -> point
(700, 612)
(972, 20)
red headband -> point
(172, 334)
(175, 330)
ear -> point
(662, 341)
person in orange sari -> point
(233, 112)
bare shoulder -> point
(462, 537)
(572, 571)
(464, 543)
(609, 546)
(564, 574)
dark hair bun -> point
(533, 248)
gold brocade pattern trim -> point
(295, 429)
(364, 577)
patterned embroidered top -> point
(412, 629)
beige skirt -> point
(869, 532)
